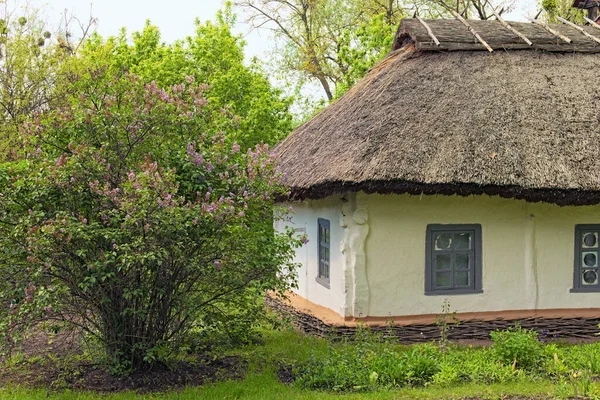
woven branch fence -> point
(550, 328)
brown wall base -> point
(584, 327)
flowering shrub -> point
(134, 219)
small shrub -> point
(473, 366)
(391, 369)
(518, 347)
(341, 370)
(421, 363)
(360, 366)
(583, 357)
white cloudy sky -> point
(175, 18)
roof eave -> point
(560, 197)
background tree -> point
(471, 9)
(31, 58)
(562, 8)
(214, 55)
(330, 42)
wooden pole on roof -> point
(470, 28)
(510, 28)
(429, 31)
(580, 29)
(592, 22)
(552, 31)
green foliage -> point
(517, 346)
(215, 56)
(562, 8)
(469, 365)
(362, 48)
(479, 374)
(31, 73)
(137, 220)
(367, 363)
(516, 356)
(330, 43)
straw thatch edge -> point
(561, 197)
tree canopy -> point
(215, 56)
(32, 79)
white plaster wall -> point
(304, 217)
(528, 253)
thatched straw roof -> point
(453, 35)
(516, 123)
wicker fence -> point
(550, 328)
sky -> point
(175, 18)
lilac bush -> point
(134, 219)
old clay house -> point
(465, 166)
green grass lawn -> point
(265, 386)
(287, 346)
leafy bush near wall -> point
(516, 355)
(517, 346)
(359, 367)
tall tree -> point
(477, 9)
(215, 56)
(31, 57)
(324, 38)
(562, 8)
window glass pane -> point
(462, 241)
(453, 260)
(442, 262)
(462, 261)
(461, 278)
(443, 279)
(590, 239)
(590, 259)
(443, 241)
(590, 277)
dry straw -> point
(518, 123)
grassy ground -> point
(265, 386)
(262, 382)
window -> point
(453, 259)
(586, 258)
(324, 247)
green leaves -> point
(138, 207)
(215, 56)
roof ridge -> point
(454, 34)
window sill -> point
(323, 282)
(585, 290)
(452, 292)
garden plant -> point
(134, 219)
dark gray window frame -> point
(578, 286)
(476, 280)
(323, 265)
